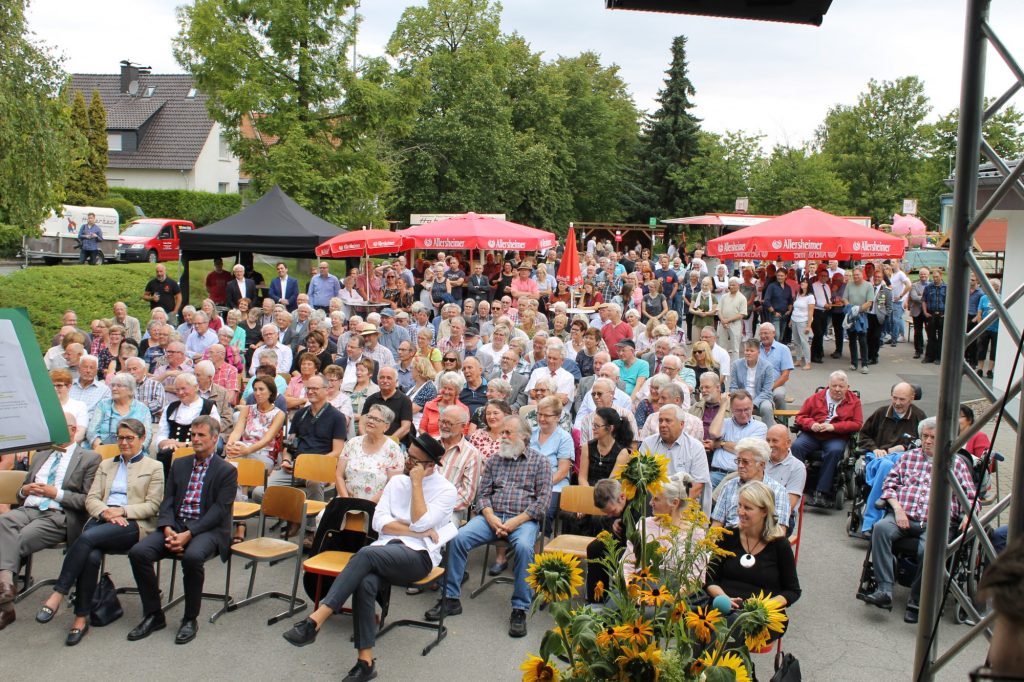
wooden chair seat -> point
(314, 507)
(108, 451)
(327, 563)
(244, 510)
(434, 574)
(265, 548)
(570, 544)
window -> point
(225, 149)
(114, 142)
(150, 89)
(191, 93)
(222, 188)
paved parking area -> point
(836, 637)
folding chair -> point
(283, 502)
(436, 573)
(575, 499)
(10, 484)
(108, 451)
(185, 451)
(251, 474)
(331, 563)
(319, 468)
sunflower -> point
(726, 660)
(632, 653)
(604, 536)
(556, 576)
(645, 470)
(599, 591)
(536, 669)
(766, 616)
(638, 632)
(678, 612)
(656, 596)
(703, 622)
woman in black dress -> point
(609, 448)
(761, 559)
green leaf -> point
(551, 644)
(716, 674)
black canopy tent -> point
(274, 226)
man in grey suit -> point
(756, 375)
(506, 371)
(52, 510)
(662, 349)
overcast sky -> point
(778, 79)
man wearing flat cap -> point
(413, 520)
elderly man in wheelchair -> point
(905, 493)
(827, 420)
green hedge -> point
(89, 290)
(202, 208)
(125, 209)
(10, 241)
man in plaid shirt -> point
(513, 497)
(906, 491)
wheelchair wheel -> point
(840, 497)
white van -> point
(59, 235)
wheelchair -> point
(904, 553)
(843, 483)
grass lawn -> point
(46, 292)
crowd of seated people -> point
(462, 405)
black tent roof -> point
(275, 225)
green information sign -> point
(652, 221)
(30, 413)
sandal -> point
(239, 538)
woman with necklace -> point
(762, 558)
(608, 450)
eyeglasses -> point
(127, 439)
(700, 352)
(450, 359)
(549, 415)
(377, 420)
(417, 460)
(597, 425)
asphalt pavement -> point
(834, 636)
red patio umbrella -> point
(807, 234)
(473, 231)
(363, 243)
(569, 268)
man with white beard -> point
(512, 501)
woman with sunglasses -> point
(608, 450)
(451, 363)
(701, 361)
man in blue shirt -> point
(973, 299)
(779, 357)
(323, 288)
(726, 433)
(778, 301)
(90, 235)
(933, 306)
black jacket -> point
(215, 502)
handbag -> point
(787, 668)
(106, 607)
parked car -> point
(152, 239)
(58, 236)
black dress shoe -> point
(882, 600)
(917, 355)
(836, 356)
(452, 607)
(302, 633)
(148, 626)
(911, 615)
(187, 632)
(75, 635)
(361, 672)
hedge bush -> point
(89, 290)
(202, 208)
(125, 209)
(10, 241)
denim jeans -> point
(478, 532)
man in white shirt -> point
(271, 341)
(822, 292)
(684, 452)
(718, 354)
(413, 520)
(900, 284)
(201, 338)
(621, 399)
(834, 269)
(786, 469)
(565, 381)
